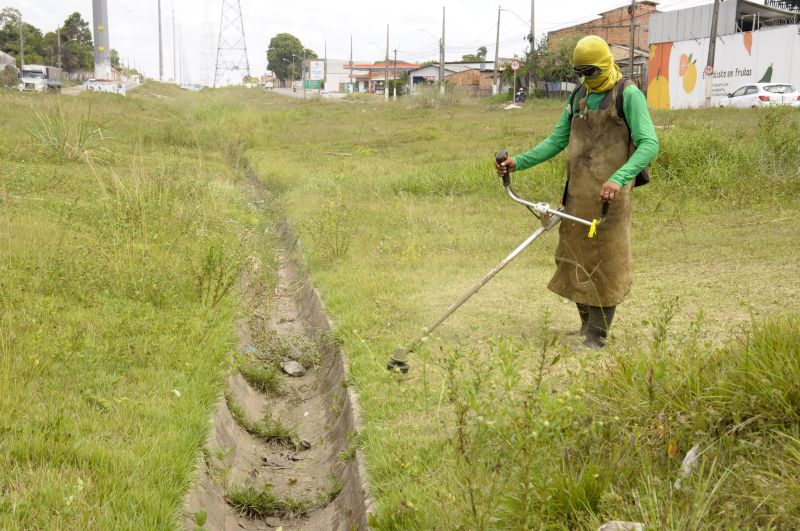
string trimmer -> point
(549, 218)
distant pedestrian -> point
(608, 149)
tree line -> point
(77, 50)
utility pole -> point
(497, 55)
(532, 57)
(325, 70)
(712, 46)
(58, 42)
(441, 60)
(160, 47)
(303, 72)
(21, 44)
(102, 42)
(631, 13)
(174, 48)
(394, 85)
(386, 73)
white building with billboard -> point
(755, 42)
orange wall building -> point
(613, 26)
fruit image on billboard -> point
(688, 71)
(658, 76)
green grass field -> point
(123, 223)
(111, 243)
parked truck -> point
(40, 78)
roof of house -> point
(399, 65)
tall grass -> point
(58, 137)
(117, 309)
(120, 293)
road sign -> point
(514, 65)
(708, 70)
(316, 70)
(312, 83)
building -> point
(476, 78)
(615, 27)
(339, 77)
(373, 76)
(756, 42)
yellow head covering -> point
(593, 50)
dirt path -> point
(317, 479)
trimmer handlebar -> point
(501, 157)
(544, 208)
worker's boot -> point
(583, 311)
(597, 325)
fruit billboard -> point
(676, 80)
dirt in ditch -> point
(314, 479)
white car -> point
(757, 95)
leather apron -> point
(595, 271)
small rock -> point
(293, 368)
(272, 521)
(621, 526)
(305, 443)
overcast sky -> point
(414, 27)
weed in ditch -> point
(307, 351)
(262, 377)
(266, 428)
(332, 490)
(200, 518)
(260, 502)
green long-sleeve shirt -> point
(642, 132)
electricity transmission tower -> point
(231, 46)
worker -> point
(611, 141)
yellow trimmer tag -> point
(593, 228)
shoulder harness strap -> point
(577, 95)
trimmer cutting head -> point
(397, 362)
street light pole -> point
(21, 45)
(386, 72)
(441, 60)
(532, 52)
(497, 54)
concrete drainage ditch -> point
(289, 458)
